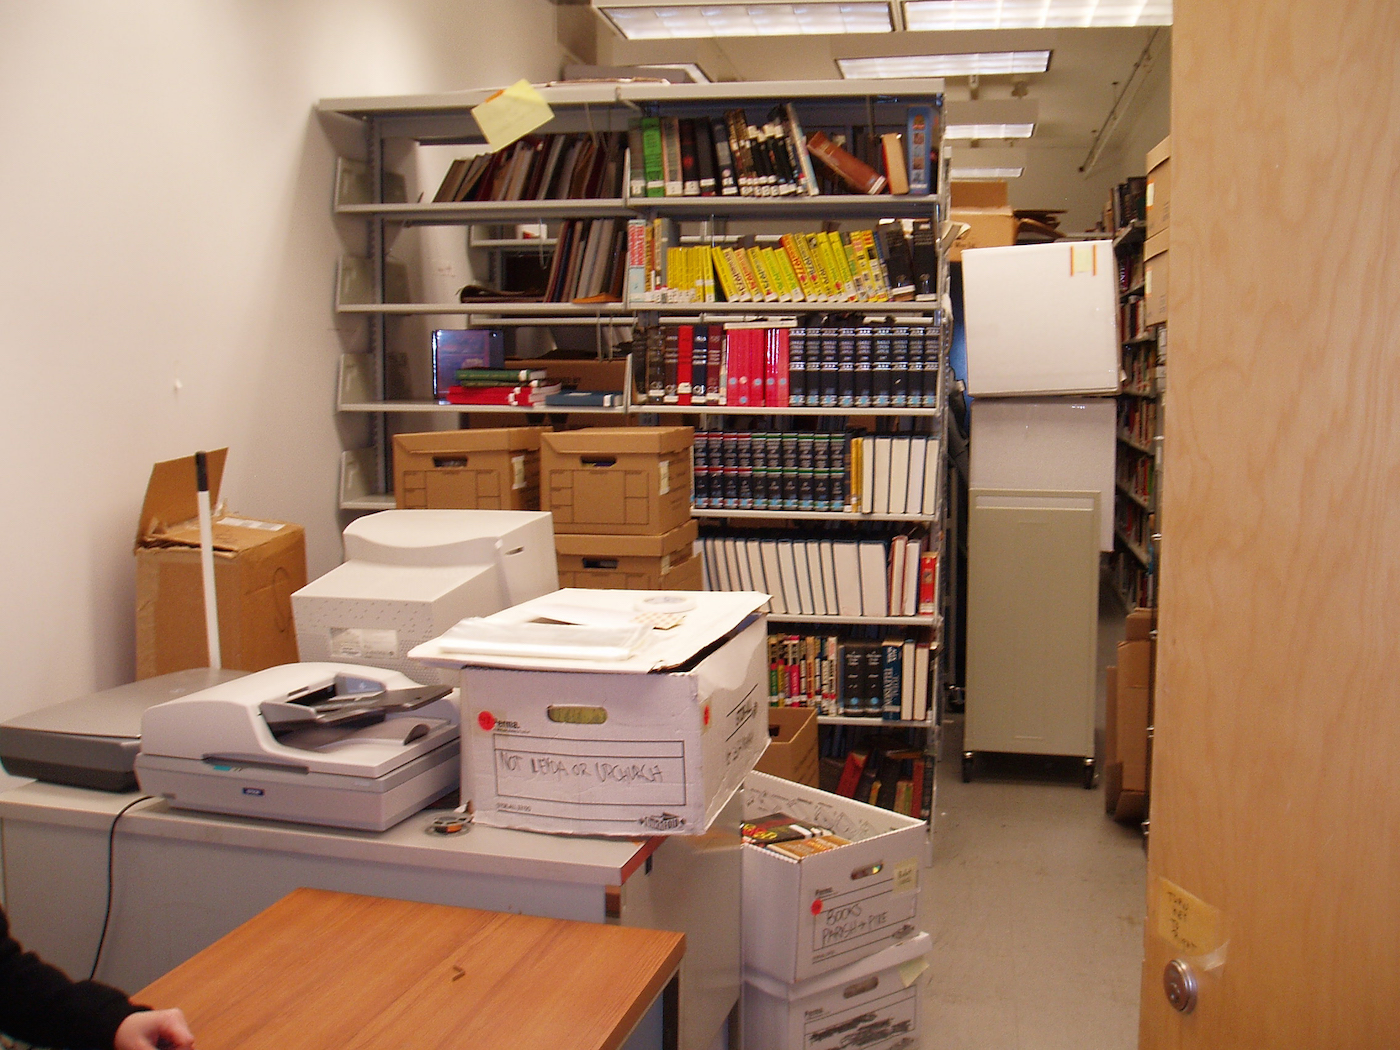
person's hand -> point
(154, 1030)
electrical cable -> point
(107, 911)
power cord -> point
(107, 911)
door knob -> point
(1180, 982)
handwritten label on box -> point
(1186, 922)
(627, 772)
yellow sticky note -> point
(1082, 259)
(906, 876)
(511, 113)
(1186, 922)
(909, 972)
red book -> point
(732, 354)
(780, 369)
(916, 789)
(714, 393)
(851, 772)
(523, 396)
(685, 362)
(928, 583)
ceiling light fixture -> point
(981, 63)
(934, 15)
(688, 21)
(988, 131)
(984, 174)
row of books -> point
(883, 264)
(541, 167)
(589, 262)
(769, 470)
(1139, 366)
(1134, 524)
(886, 679)
(1132, 319)
(1137, 420)
(783, 833)
(720, 156)
(1137, 474)
(784, 364)
(878, 775)
(520, 387)
(822, 577)
(1127, 202)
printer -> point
(409, 575)
(315, 743)
(92, 742)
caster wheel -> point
(967, 768)
(1088, 774)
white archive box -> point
(872, 1004)
(653, 741)
(806, 917)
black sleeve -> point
(40, 1005)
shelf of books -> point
(769, 261)
(1139, 422)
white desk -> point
(183, 880)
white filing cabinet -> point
(1032, 623)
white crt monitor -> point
(409, 575)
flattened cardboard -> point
(1155, 278)
(617, 480)
(872, 1003)
(639, 563)
(1134, 678)
(257, 566)
(1159, 187)
(811, 916)
(494, 468)
(792, 745)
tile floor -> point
(1035, 901)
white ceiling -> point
(1087, 70)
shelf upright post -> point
(378, 333)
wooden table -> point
(320, 969)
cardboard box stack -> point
(621, 499)
(1154, 252)
(257, 565)
(1130, 694)
(983, 207)
(832, 945)
(486, 469)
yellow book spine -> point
(854, 473)
(726, 279)
(811, 255)
(732, 265)
(882, 280)
(707, 270)
(843, 265)
(799, 268)
(865, 280)
(789, 274)
(766, 259)
(829, 265)
(751, 285)
(767, 293)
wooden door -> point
(1276, 772)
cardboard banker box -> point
(617, 480)
(257, 566)
(810, 916)
(792, 745)
(488, 469)
(602, 738)
(639, 563)
(873, 1003)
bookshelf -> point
(379, 192)
(1142, 349)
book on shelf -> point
(523, 396)
(472, 376)
(541, 167)
(854, 172)
(921, 134)
(896, 164)
(456, 348)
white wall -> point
(166, 275)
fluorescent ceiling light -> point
(982, 174)
(984, 63)
(922, 15)
(988, 131)
(781, 19)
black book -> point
(914, 394)
(671, 343)
(899, 367)
(655, 364)
(865, 350)
(891, 677)
(874, 680)
(830, 342)
(846, 364)
(898, 261)
(924, 251)
(852, 679)
(705, 158)
(744, 457)
(797, 367)
(788, 477)
(700, 470)
(690, 163)
(700, 359)
(726, 183)
(881, 361)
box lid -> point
(621, 439)
(911, 950)
(584, 545)
(172, 496)
(483, 439)
(979, 194)
(1159, 153)
(1156, 245)
(707, 617)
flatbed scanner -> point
(316, 743)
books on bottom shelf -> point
(878, 678)
(821, 577)
(895, 777)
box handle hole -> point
(600, 563)
(598, 461)
(868, 870)
(861, 987)
(449, 461)
(577, 714)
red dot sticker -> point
(486, 720)
(817, 906)
(707, 714)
